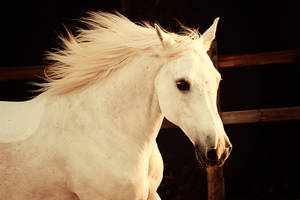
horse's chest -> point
(118, 175)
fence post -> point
(214, 175)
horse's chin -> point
(202, 161)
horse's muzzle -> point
(211, 157)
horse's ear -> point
(161, 35)
(210, 34)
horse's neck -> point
(123, 105)
(129, 103)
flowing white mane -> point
(110, 42)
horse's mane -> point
(110, 42)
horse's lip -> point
(203, 162)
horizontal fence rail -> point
(21, 73)
(258, 59)
(254, 116)
(225, 61)
(261, 115)
(231, 117)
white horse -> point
(92, 133)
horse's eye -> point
(183, 85)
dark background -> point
(264, 161)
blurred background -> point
(264, 161)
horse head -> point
(186, 88)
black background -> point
(264, 161)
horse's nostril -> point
(212, 155)
(229, 149)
